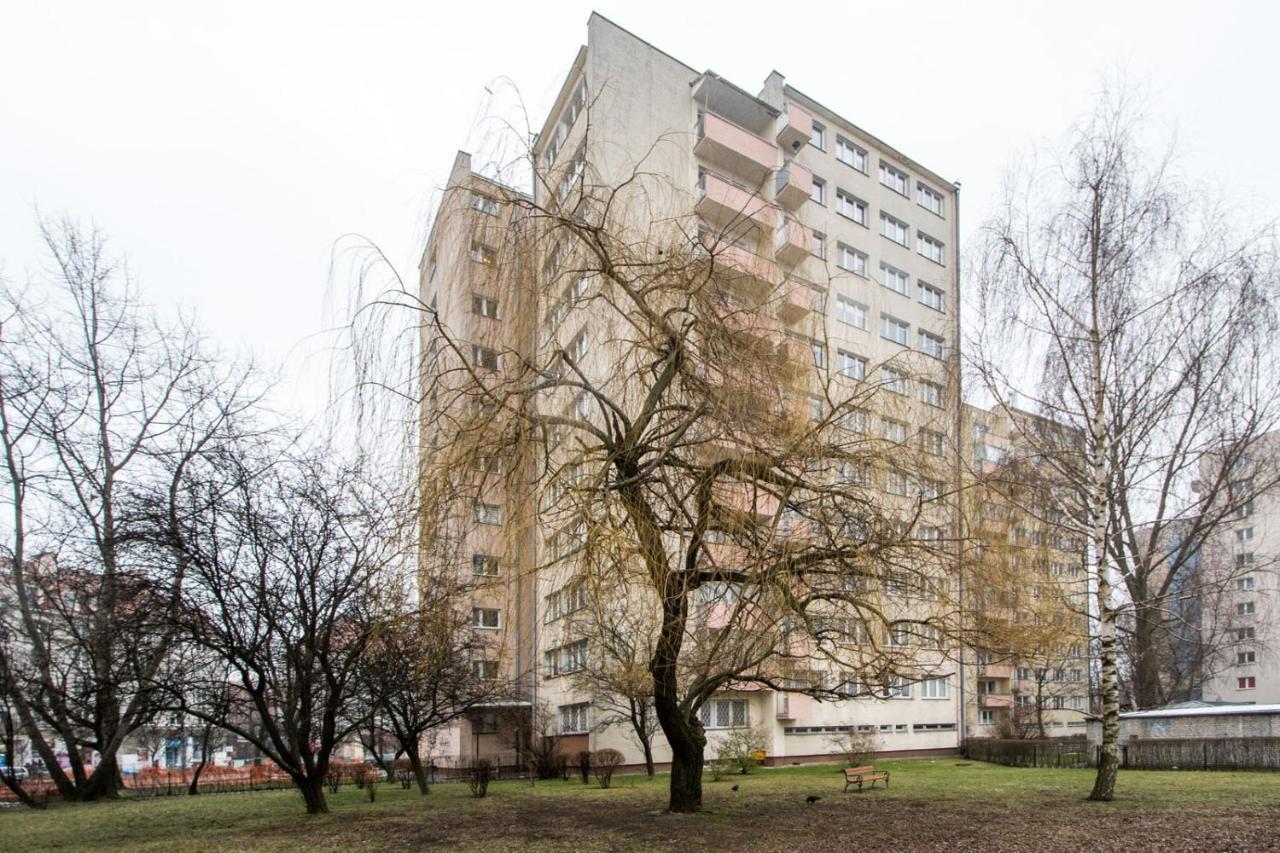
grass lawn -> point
(944, 804)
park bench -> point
(862, 775)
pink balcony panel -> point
(795, 301)
(996, 670)
(792, 185)
(995, 700)
(793, 706)
(791, 242)
(748, 271)
(795, 127)
(735, 150)
(742, 497)
(724, 202)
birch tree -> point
(1151, 317)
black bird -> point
(734, 788)
(812, 798)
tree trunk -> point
(647, 746)
(194, 787)
(687, 742)
(104, 783)
(419, 772)
(312, 788)
(1147, 692)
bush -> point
(479, 775)
(333, 778)
(584, 765)
(743, 749)
(603, 763)
(545, 762)
(856, 747)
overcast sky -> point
(227, 146)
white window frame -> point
(851, 312)
(895, 230)
(930, 344)
(899, 281)
(851, 260)
(895, 179)
(479, 618)
(930, 199)
(850, 366)
(854, 153)
(931, 297)
(818, 191)
(893, 329)
(851, 207)
(935, 688)
(487, 513)
(818, 136)
(931, 248)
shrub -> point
(603, 763)
(479, 774)
(371, 784)
(743, 749)
(333, 778)
(856, 747)
(584, 765)
(545, 762)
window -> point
(935, 688)
(1244, 608)
(1244, 560)
(928, 199)
(485, 670)
(1245, 510)
(930, 248)
(851, 474)
(895, 430)
(1243, 658)
(723, 713)
(484, 204)
(895, 229)
(931, 393)
(577, 349)
(854, 421)
(851, 208)
(1246, 682)
(853, 313)
(818, 136)
(930, 344)
(819, 355)
(484, 565)
(933, 442)
(897, 483)
(850, 365)
(485, 617)
(851, 259)
(932, 297)
(899, 688)
(483, 254)
(482, 357)
(895, 279)
(573, 718)
(1245, 634)
(1077, 703)
(895, 381)
(893, 329)
(894, 179)
(1245, 583)
(817, 409)
(568, 658)
(850, 154)
(488, 513)
(986, 718)
(818, 244)
(1244, 534)
(484, 306)
(818, 191)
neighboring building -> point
(487, 543)
(859, 237)
(1026, 586)
(1241, 567)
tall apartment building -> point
(1027, 589)
(860, 241)
(1244, 664)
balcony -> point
(795, 126)
(746, 499)
(792, 185)
(791, 242)
(745, 271)
(795, 301)
(724, 202)
(733, 149)
(995, 700)
(996, 670)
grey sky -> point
(226, 146)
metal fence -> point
(1039, 752)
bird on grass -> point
(812, 798)
(734, 788)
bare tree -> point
(101, 403)
(682, 447)
(285, 590)
(1154, 319)
(427, 668)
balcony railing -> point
(792, 185)
(795, 127)
(791, 242)
(727, 202)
